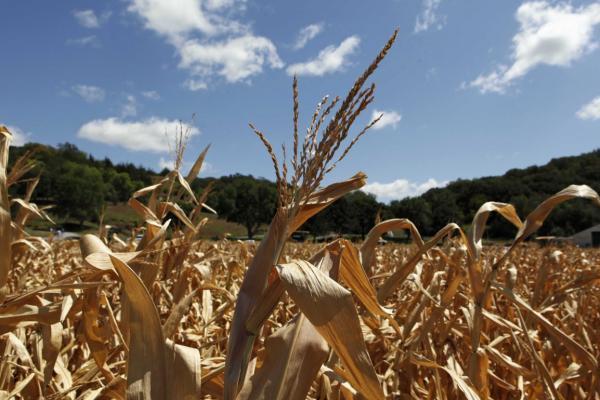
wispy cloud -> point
(209, 41)
(152, 134)
(590, 111)
(306, 34)
(195, 85)
(129, 109)
(89, 19)
(389, 118)
(401, 188)
(89, 93)
(151, 94)
(550, 33)
(91, 40)
(330, 59)
(429, 16)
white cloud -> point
(329, 60)
(19, 136)
(195, 85)
(84, 41)
(221, 4)
(306, 34)
(389, 118)
(400, 188)
(175, 19)
(151, 94)
(235, 59)
(89, 93)
(129, 109)
(151, 134)
(208, 40)
(590, 110)
(89, 19)
(429, 16)
(164, 163)
(553, 34)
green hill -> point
(524, 188)
(247, 202)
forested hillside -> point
(524, 188)
(250, 201)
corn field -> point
(171, 316)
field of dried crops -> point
(73, 338)
(174, 317)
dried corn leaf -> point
(177, 312)
(149, 189)
(330, 308)
(293, 356)
(197, 167)
(575, 348)
(325, 197)
(145, 212)
(298, 348)
(185, 186)
(22, 165)
(536, 218)
(367, 250)
(176, 210)
(461, 381)
(183, 368)
(480, 220)
(52, 341)
(402, 273)
(352, 273)
(29, 313)
(146, 369)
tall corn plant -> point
(12, 234)
(157, 367)
(300, 197)
(5, 220)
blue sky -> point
(470, 88)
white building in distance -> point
(588, 237)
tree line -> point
(80, 185)
(457, 202)
(77, 184)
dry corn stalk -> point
(298, 201)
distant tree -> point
(416, 209)
(70, 152)
(444, 208)
(362, 210)
(247, 201)
(79, 192)
(122, 186)
(334, 219)
(137, 173)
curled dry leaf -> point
(367, 250)
(294, 355)
(329, 307)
